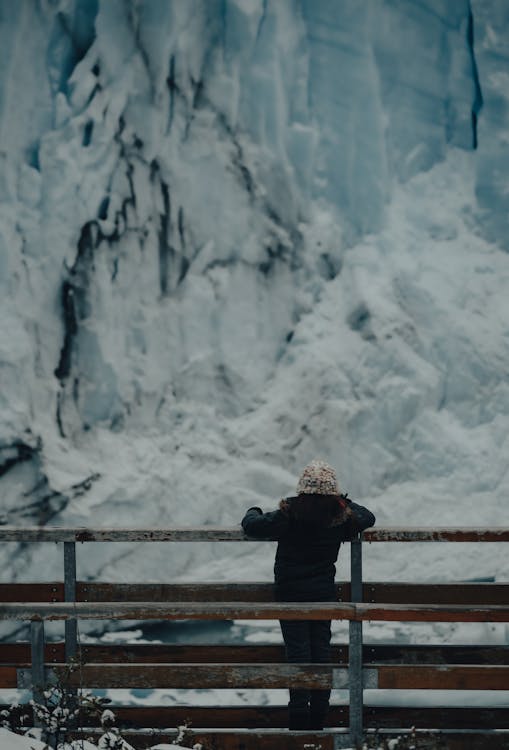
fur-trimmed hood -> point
(318, 510)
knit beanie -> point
(318, 478)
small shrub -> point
(415, 740)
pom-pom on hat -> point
(318, 478)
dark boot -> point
(318, 709)
(317, 720)
(298, 718)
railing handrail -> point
(352, 611)
(235, 534)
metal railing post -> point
(71, 626)
(37, 656)
(355, 647)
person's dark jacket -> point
(309, 530)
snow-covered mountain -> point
(239, 234)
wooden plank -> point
(176, 592)
(390, 593)
(253, 611)
(416, 677)
(436, 534)
(176, 611)
(257, 717)
(223, 717)
(435, 654)
(201, 654)
(477, 741)
(8, 677)
(431, 613)
(373, 592)
(19, 653)
(390, 677)
(312, 676)
(386, 717)
(157, 653)
(263, 717)
(32, 592)
(250, 717)
(235, 534)
(234, 740)
(286, 740)
(260, 717)
(434, 593)
(63, 534)
(143, 653)
(153, 653)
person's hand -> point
(344, 502)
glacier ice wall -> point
(236, 234)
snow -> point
(233, 237)
(11, 741)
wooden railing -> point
(356, 666)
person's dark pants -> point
(307, 641)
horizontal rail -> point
(372, 592)
(243, 740)
(252, 717)
(195, 676)
(152, 653)
(312, 676)
(8, 677)
(253, 611)
(388, 593)
(426, 717)
(432, 677)
(437, 534)
(235, 534)
(273, 739)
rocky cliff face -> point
(236, 234)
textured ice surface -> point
(237, 235)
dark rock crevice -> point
(477, 102)
(133, 20)
(73, 296)
(75, 300)
(87, 133)
(174, 239)
(360, 320)
(274, 253)
(39, 503)
(262, 21)
(75, 308)
(129, 156)
(15, 453)
(72, 36)
(46, 504)
(329, 266)
(199, 99)
(248, 182)
(166, 250)
(172, 91)
(70, 329)
(177, 93)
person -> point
(309, 529)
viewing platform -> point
(356, 665)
